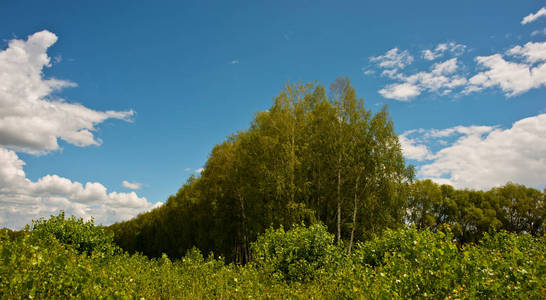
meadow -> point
(67, 257)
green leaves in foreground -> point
(85, 237)
(302, 262)
(298, 254)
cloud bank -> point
(481, 157)
(32, 120)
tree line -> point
(311, 158)
(469, 213)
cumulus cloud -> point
(412, 150)
(531, 52)
(441, 49)
(400, 91)
(23, 200)
(519, 69)
(131, 185)
(441, 78)
(512, 77)
(533, 17)
(32, 120)
(393, 59)
(482, 157)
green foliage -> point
(298, 254)
(308, 158)
(410, 263)
(83, 236)
(300, 263)
(470, 214)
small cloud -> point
(537, 32)
(393, 59)
(288, 35)
(58, 58)
(402, 92)
(234, 62)
(442, 48)
(187, 169)
(199, 170)
(131, 185)
(392, 73)
(533, 17)
(369, 72)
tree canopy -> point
(309, 157)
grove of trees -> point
(311, 158)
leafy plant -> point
(297, 254)
(84, 236)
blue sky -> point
(160, 84)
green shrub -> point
(505, 265)
(85, 237)
(411, 263)
(298, 254)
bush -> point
(298, 254)
(505, 265)
(85, 237)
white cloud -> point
(533, 17)
(518, 70)
(391, 73)
(447, 67)
(531, 52)
(58, 58)
(442, 48)
(199, 170)
(23, 200)
(393, 59)
(440, 79)
(131, 185)
(187, 169)
(537, 32)
(513, 78)
(235, 62)
(483, 156)
(463, 130)
(31, 118)
(413, 151)
(400, 91)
